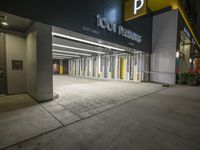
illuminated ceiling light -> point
(177, 54)
(4, 23)
(61, 57)
(76, 48)
(56, 54)
(88, 42)
(68, 52)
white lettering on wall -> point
(104, 23)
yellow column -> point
(135, 73)
(125, 69)
(122, 68)
(116, 66)
(61, 67)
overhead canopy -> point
(155, 5)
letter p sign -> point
(134, 9)
(138, 5)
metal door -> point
(2, 64)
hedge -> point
(192, 79)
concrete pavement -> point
(86, 97)
(168, 119)
(22, 118)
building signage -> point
(64, 14)
(138, 4)
(104, 23)
(134, 9)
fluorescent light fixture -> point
(4, 23)
(68, 52)
(56, 54)
(60, 57)
(76, 48)
(85, 41)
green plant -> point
(192, 79)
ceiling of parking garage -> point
(69, 48)
(14, 22)
(64, 47)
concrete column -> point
(90, 67)
(109, 68)
(125, 67)
(116, 67)
(164, 46)
(39, 62)
(128, 67)
(99, 66)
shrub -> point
(192, 79)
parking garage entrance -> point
(92, 75)
(82, 58)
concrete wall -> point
(39, 62)
(44, 62)
(31, 76)
(15, 50)
(164, 44)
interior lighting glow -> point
(68, 52)
(85, 41)
(76, 48)
(56, 54)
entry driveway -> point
(86, 97)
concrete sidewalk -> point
(167, 120)
(22, 118)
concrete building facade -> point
(92, 39)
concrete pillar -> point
(116, 67)
(90, 67)
(128, 67)
(39, 62)
(109, 68)
(99, 66)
